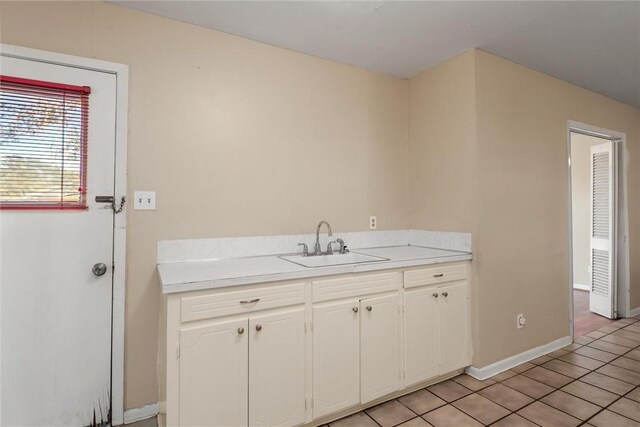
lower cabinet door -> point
(379, 347)
(214, 374)
(276, 369)
(336, 356)
(453, 306)
(421, 341)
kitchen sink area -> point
(331, 260)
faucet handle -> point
(343, 247)
(330, 248)
(305, 249)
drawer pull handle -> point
(369, 308)
(435, 295)
(240, 331)
(250, 301)
(438, 275)
(258, 328)
(445, 294)
(355, 309)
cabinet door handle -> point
(240, 331)
(435, 295)
(438, 275)
(249, 301)
(258, 328)
(355, 309)
(369, 308)
(445, 294)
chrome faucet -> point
(318, 249)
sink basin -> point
(331, 260)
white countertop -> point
(198, 275)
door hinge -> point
(308, 326)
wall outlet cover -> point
(373, 222)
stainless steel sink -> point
(331, 260)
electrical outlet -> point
(373, 222)
(144, 200)
(520, 321)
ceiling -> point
(595, 45)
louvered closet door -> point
(602, 229)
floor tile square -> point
(545, 415)
(390, 413)
(416, 422)
(505, 396)
(448, 416)
(571, 347)
(594, 353)
(571, 405)
(540, 360)
(449, 390)
(628, 334)
(521, 368)
(582, 361)
(421, 401)
(633, 354)
(611, 419)
(557, 353)
(621, 374)
(481, 408)
(607, 346)
(633, 328)
(590, 393)
(627, 407)
(514, 420)
(528, 386)
(565, 368)
(596, 334)
(547, 377)
(607, 383)
(626, 342)
(503, 375)
(359, 419)
(608, 329)
(583, 340)
(472, 383)
(627, 363)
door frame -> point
(121, 72)
(621, 221)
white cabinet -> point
(436, 326)
(379, 347)
(355, 352)
(213, 374)
(421, 349)
(453, 308)
(336, 356)
(242, 372)
(276, 369)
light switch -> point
(144, 200)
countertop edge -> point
(306, 274)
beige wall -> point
(238, 138)
(580, 205)
(521, 238)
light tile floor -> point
(593, 382)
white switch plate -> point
(520, 321)
(373, 222)
(144, 200)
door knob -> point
(258, 328)
(240, 331)
(99, 269)
(369, 308)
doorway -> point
(61, 249)
(598, 244)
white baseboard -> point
(513, 361)
(581, 287)
(142, 413)
(635, 312)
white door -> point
(276, 369)
(453, 313)
(602, 292)
(214, 374)
(379, 347)
(421, 341)
(336, 356)
(56, 314)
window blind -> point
(43, 144)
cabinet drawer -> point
(238, 302)
(436, 274)
(345, 287)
